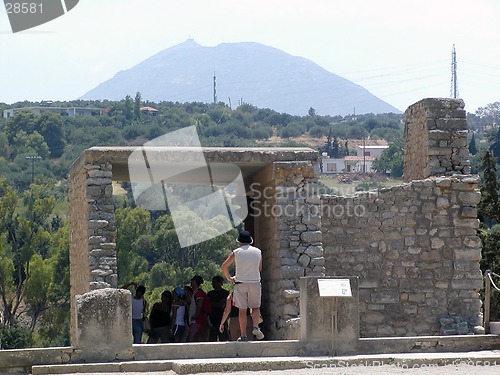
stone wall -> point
(435, 139)
(415, 249)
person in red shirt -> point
(197, 311)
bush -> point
(369, 185)
(317, 131)
(14, 337)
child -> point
(178, 314)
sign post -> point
(334, 288)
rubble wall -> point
(414, 246)
(415, 249)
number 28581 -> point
(24, 8)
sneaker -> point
(242, 338)
(258, 333)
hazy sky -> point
(397, 49)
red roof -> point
(151, 109)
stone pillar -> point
(104, 330)
(316, 318)
(435, 139)
(93, 262)
(298, 212)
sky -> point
(398, 50)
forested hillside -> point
(60, 139)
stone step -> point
(129, 366)
(195, 366)
(282, 348)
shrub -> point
(14, 337)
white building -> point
(372, 151)
(329, 165)
(64, 111)
(361, 164)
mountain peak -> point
(247, 72)
(189, 43)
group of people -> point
(189, 314)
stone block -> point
(104, 328)
(314, 251)
(291, 310)
(473, 254)
(311, 236)
(292, 272)
(467, 284)
(304, 260)
(98, 181)
(316, 317)
(469, 198)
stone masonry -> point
(414, 246)
(436, 139)
(296, 207)
(93, 263)
(283, 183)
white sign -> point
(334, 288)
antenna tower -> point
(454, 86)
(215, 90)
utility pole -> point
(364, 155)
(33, 158)
(454, 86)
(215, 89)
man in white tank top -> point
(247, 288)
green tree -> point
(4, 146)
(24, 233)
(25, 121)
(131, 223)
(335, 148)
(35, 143)
(51, 127)
(488, 208)
(391, 160)
(128, 108)
(137, 105)
(472, 145)
(491, 112)
(494, 138)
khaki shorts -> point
(247, 295)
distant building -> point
(329, 165)
(361, 164)
(64, 111)
(150, 111)
(352, 164)
(373, 151)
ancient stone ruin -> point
(413, 246)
